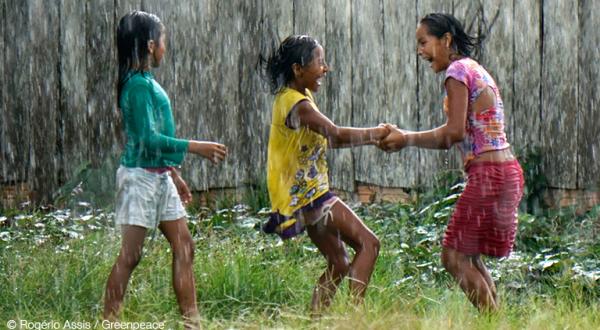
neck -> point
(296, 86)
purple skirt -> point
(276, 219)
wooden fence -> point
(57, 71)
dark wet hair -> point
(134, 31)
(439, 24)
(277, 68)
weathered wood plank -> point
(470, 14)
(559, 92)
(309, 19)
(400, 76)
(73, 82)
(191, 33)
(276, 23)
(494, 19)
(251, 159)
(18, 89)
(101, 76)
(527, 75)
(123, 7)
(165, 74)
(430, 96)
(44, 34)
(589, 96)
(3, 113)
(498, 60)
(338, 103)
(368, 99)
(219, 77)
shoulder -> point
(461, 70)
(461, 65)
(140, 82)
(288, 98)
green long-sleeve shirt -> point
(149, 125)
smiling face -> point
(435, 50)
(311, 75)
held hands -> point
(394, 141)
(215, 152)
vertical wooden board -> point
(221, 119)
(276, 23)
(498, 59)
(338, 103)
(527, 75)
(226, 94)
(250, 151)
(493, 18)
(44, 34)
(192, 33)
(559, 92)
(470, 14)
(73, 82)
(165, 74)
(430, 97)
(101, 76)
(589, 96)
(368, 108)
(400, 76)
(18, 89)
(3, 111)
(123, 7)
(310, 19)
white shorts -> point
(145, 198)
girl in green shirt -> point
(150, 192)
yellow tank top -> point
(296, 164)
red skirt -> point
(485, 216)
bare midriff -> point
(494, 156)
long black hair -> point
(277, 68)
(464, 44)
(134, 32)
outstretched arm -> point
(442, 137)
(304, 114)
(215, 152)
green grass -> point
(55, 266)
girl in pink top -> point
(485, 216)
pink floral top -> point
(485, 129)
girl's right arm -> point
(215, 152)
(304, 114)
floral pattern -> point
(485, 129)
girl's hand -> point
(378, 133)
(215, 152)
(182, 188)
(394, 141)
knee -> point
(375, 245)
(340, 266)
(448, 260)
(370, 245)
(183, 250)
(129, 260)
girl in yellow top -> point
(297, 169)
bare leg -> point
(338, 266)
(486, 275)
(132, 242)
(182, 244)
(345, 225)
(470, 279)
